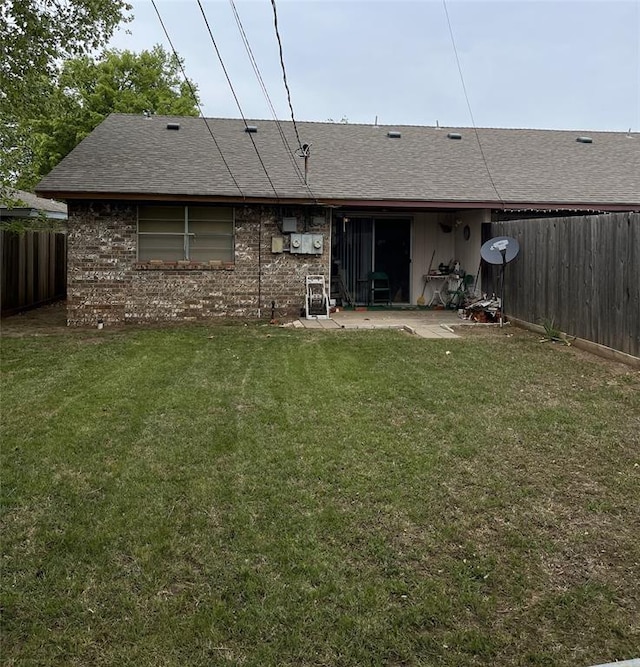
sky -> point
(547, 64)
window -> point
(195, 233)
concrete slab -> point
(316, 324)
(310, 324)
(422, 323)
(434, 332)
(329, 324)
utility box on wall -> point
(289, 225)
(277, 244)
(307, 244)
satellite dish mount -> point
(500, 250)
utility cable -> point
(235, 97)
(284, 75)
(464, 88)
(256, 70)
(195, 98)
(258, 74)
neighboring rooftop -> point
(28, 205)
(134, 156)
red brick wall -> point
(105, 280)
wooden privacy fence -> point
(34, 269)
(582, 273)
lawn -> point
(249, 495)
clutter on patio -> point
(454, 289)
(451, 286)
(483, 309)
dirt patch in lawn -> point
(44, 321)
(51, 320)
(509, 332)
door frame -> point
(373, 216)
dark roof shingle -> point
(130, 154)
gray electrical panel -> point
(307, 244)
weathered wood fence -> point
(582, 273)
(34, 269)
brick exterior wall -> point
(106, 281)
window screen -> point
(196, 233)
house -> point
(174, 218)
(25, 205)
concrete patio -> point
(423, 323)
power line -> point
(258, 74)
(464, 88)
(235, 97)
(195, 98)
(284, 75)
(263, 86)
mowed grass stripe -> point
(256, 496)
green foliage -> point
(36, 37)
(55, 91)
(552, 333)
(41, 223)
(10, 199)
(89, 89)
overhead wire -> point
(235, 97)
(256, 70)
(473, 122)
(258, 74)
(195, 99)
(284, 76)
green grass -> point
(258, 496)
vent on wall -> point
(394, 134)
(173, 126)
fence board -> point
(33, 271)
(581, 272)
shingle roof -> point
(133, 155)
(26, 203)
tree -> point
(88, 90)
(35, 37)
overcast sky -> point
(545, 64)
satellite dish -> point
(500, 250)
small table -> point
(437, 288)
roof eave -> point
(348, 203)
